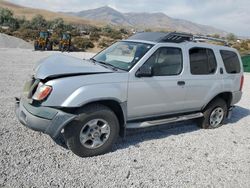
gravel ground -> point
(176, 155)
(7, 41)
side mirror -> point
(144, 71)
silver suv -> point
(149, 79)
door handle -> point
(221, 70)
(181, 83)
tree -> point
(5, 16)
(38, 22)
(57, 23)
(231, 37)
(7, 19)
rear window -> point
(202, 61)
(231, 61)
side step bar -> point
(163, 121)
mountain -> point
(105, 14)
(29, 13)
(154, 21)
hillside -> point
(145, 20)
(28, 13)
(103, 15)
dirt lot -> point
(183, 156)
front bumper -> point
(43, 119)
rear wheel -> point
(60, 47)
(214, 114)
(49, 47)
(94, 132)
(36, 47)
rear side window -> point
(202, 61)
(231, 61)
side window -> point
(231, 61)
(166, 61)
(202, 61)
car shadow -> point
(136, 136)
(238, 113)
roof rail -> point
(201, 38)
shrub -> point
(83, 43)
(94, 36)
(244, 45)
(26, 34)
(105, 43)
(115, 35)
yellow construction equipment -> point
(65, 42)
(43, 41)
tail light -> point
(42, 92)
(241, 82)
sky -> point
(228, 15)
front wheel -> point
(214, 114)
(94, 132)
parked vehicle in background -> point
(147, 80)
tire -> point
(49, 47)
(81, 135)
(60, 47)
(36, 46)
(214, 114)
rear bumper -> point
(43, 119)
(236, 96)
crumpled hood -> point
(60, 65)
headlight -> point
(42, 92)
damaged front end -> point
(33, 115)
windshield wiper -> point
(93, 60)
(104, 63)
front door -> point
(163, 92)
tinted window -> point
(231, 61)
(202, 61)
(166, 61)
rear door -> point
(204, 80)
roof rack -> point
(162, 37)
(182, 37)
(201, 38)
(177, 37)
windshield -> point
(123, 55)
(65, 36)
(43, 35)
